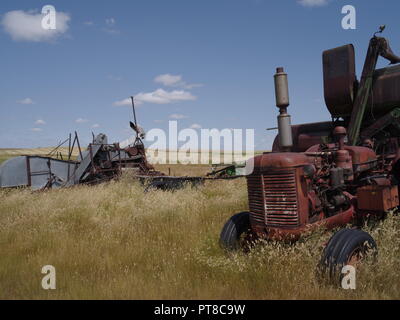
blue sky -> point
(219, 57)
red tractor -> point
(329, 174)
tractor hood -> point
(279, 160)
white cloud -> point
(192, 85)
(313, 3)
(124, 102)
(88, 23)
(195, 126)
(26, 101)
(159, 96)
(27, 26)
(96, 125)
(81, 120)
(37, 129)
(177, 116)
(40, 122)
(170, 80)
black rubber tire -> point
(234, 229)
(339, 250)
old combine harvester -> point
(333, 173)
(99, 162)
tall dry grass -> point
(113, 241)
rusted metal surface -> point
(339, 94)
(382, 125)
(277, 191)
(266, 161)
(283, 234)
(363, 158)
(307, 135)
(256, 196)
(343, 160)
(281, 198)
(385, 94)
(339, 79)
(28, 171)
(377, 46)
(377, 198)
(360, 103)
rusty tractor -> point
(331, 174)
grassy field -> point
(114, 241)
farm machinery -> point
(329, 174)
(99, 162)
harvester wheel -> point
(345, 247)
(236, 233)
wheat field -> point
(115, 241)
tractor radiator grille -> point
(281, 198)
(273, 199)
(256, 200)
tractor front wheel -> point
(236, 233)
(347, 247)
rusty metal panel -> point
(377, 197)
(277, 191)
(339, 79)
(306, 135)
(268, 162)
(281, 202)
(256, 202)
(386, 91)
(391, 118)
(276, 199)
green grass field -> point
(115, 241)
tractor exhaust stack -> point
(282, 102)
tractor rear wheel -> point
(236, 233)
(346, 247)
